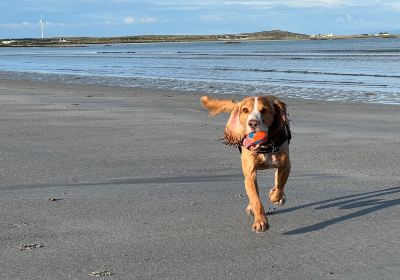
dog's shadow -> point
(374, 201)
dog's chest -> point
(265, 161)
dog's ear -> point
(281, 117)
(216, 106)
(234, 130)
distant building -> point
(241, 36)
(322, 36)
(234, 37)
(383, 34)
(7, 42)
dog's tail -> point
(217, 106)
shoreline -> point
(142, 188)
(145, 39)
(204, 87)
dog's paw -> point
(277, 196)
(249, 210)
(260, 225)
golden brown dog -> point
(252, 114)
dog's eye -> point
(245, 110)
(263, 110)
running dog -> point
(251, 115)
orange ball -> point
(255, 138)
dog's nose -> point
(253, 124)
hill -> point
(276, 35)
(68, 41)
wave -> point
(331, 83)
(393, 50)
(305, 72)
(115, 52)
(70, 69)
(305, 53)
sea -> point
(354, 70)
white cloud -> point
(59, 24)
(182, 5)
(393, 6)
(266, 4)
(110, 22)
(142, 20)
(288, 3)
(211, 18)
(315, 3)
(129, 20)
(355, 22)
(257, 4)
(26, 24)
(195, 5)
(147, 20)
(17, 24)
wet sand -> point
(142, 188)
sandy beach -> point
(135, 182)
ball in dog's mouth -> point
(254, 140)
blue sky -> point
(20, 18)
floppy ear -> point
(216, 106)
(281, 116)
(234, 132)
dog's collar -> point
(267, 148)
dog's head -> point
(252, 114)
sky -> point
(63, 18)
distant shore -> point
(74, 41)
(229, 38)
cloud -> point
(256, 4)
(288, 3)
(315, 3)
(59, 24)
(129, 20)
(393, 6)
(147, 20)
(210, 18)
(355, 22)
(26, 24)
(142, 20)
(17, 25)
(105, 17)
(348, 19)
(180, 5)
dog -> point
(253, 114)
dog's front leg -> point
(277, 195)
(250, 182)
(260, 220)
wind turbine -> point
(41, 22)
